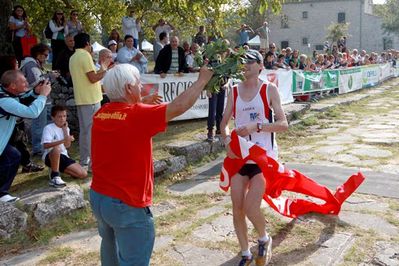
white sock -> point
(264, 239)
(246, 253)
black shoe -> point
(245, 261)
(32, 167)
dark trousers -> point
(9, 162)
(57, 46)
(19, 140)
(215, 111)
(16, 44)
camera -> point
(61, 80)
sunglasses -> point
(74, 14)
(60, 13)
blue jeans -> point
(37, 127)
(216, 108)
(127, 233)
(9, 163)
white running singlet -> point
(256, 110)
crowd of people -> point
(122, 185)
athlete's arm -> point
(224, 124)
(280, 124)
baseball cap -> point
(111, 42)
(252, 56)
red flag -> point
(278, 178)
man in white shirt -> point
(131, 26)
(129, 54)
(162, 26)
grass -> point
(291, 239)
(57, 254)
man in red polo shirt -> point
(122, 187)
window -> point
(341, 17)
(319, 47)
(305, 14)
(284, 44)
(284, 21)
(305, 41)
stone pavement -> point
(194, 220)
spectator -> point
(362, 56)
(129, 54)
(281, 62)
(73, 25)
(113, 47)
(116, 37)
(87, 92)
(272, 49)
(314, 55)
(320, 65)
(13, 105)
(326, 47)
(283, 52)
(269, 61)
(302, 62)
(264, 32)
(186, 48)
(131, 26)
(58, 27)
(163, 40)
(56, 140)
(243, 32)
(163, 26)
(121, 191)
(33, 69)
(355, 58)
(62, 63)
(366, 60)
(294, 61)
(171, 59)
(200, 38)
(342, 61)
(19, 137)
(288, 55)
(190, 58)
(19, 27)
(310, 66)
(330, 62)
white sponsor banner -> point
(283, 80)
(385, 71)
(370, 76)
(350, 79)
(172, 86)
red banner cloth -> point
(279, 178)
(27, 42)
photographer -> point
(16, 101)
(33, 69)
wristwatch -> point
(259, 127)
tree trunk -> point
(5, 12)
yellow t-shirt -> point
(84, 91)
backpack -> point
(48, 33)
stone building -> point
(303, 25)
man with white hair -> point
(122, 187)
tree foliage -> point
(99, 17)
(336, 31)
(390, 14)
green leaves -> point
(225, 63)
